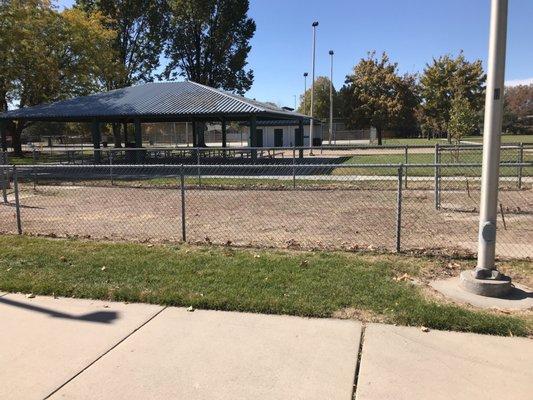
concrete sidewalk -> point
(85, 349)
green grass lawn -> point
(431, 142)
(412, 141)
(526, 139)
(447, 157)
(317, 284)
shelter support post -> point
(125, 129)
(299, 137)
(138, 134)
(224, 133)
(96, 136)
(138, 140)
(253, 137)
(194, 134)
(3, 135)
(224, 136)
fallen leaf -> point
(403, 278)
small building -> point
(283, 133)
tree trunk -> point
(116, 135)
(16, 141)
(379, 131)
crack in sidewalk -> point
(104, 354)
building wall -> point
(181, 134)
(288, 134)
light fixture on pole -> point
(331, 97)
(311, 123)
(485, 279)
(305, 90)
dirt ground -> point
(280, 218)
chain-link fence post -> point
(293, 168)
(4, 177)
(406, 162)
(182, 188)
(17, 202)
(199, 172)
(399, 209)
(437, 177)
(520, 161)
(111, 178)
(34, 174)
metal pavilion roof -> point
(170, 101)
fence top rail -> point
(256, 166)
(74, 148)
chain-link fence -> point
(420, 207)
(406, 154)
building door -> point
(278, 137)
(298, 137)
(259, 137)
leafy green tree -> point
(464, 120)
(209, 43)
(48, 56)
(321, 100)
(141, 30)
(518, 109)
(443, 80)
(375, 95)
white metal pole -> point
(492, 140)
(305, 91)
(331, 98)
(315, 24)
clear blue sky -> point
(410, 31)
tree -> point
(321, 100)
(464, 120)
(518, 109)
(209, 43)
(443, 80)
(141, 30)
(48, 56)
(375, 95)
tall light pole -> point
(486, 280)
(314, 25)
(305, 90)
(331, 97)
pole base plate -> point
(498, 285)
